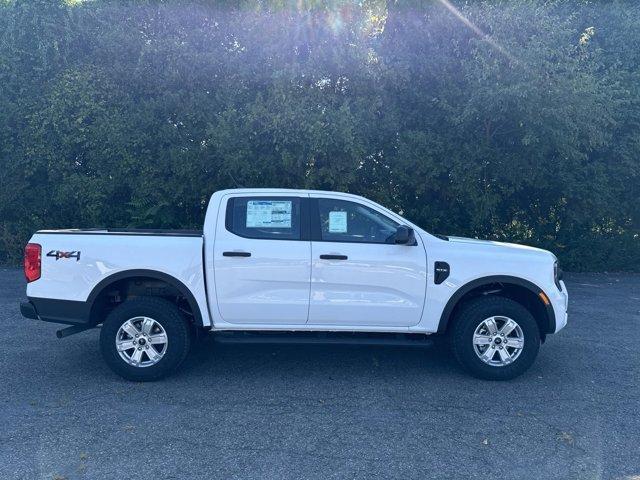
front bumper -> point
(561, 305)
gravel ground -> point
(247, 411)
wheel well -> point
(107, 297)
(524, 295)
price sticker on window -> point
(269, 214)
(337, 222)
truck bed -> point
(79, 263)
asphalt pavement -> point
(297, 412)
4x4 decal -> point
(58, 254)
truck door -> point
(262, 259)
(359, 275)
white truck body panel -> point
(271, 286)
(470, 260)
(105, 254)
(476, 259)
(284, 285)
(379, 285)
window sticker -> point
(269, 214)
(337, 222)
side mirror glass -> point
(404, 235)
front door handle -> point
(236, 254)
(333, 257)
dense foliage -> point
(516, 120)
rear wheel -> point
(495, 338)
(145, 339)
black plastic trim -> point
(314, 216)
(462, 291)
(333, 257)
(324, 338)
(305, 220)
(28, 310)
(174, 282)
(441, 271)
(69, 312)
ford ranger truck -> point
(274, 265)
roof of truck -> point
(284, 190)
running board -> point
(324, 338)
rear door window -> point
(268, 218)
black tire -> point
(163, 312)
(472, 315)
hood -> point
(513, 247)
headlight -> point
(557, 274)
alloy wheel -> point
(498, 341)
(141, 341)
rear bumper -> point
(28, 310)
(57, 311)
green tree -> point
(516, 120)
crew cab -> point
(294, 265)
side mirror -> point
(404, 235)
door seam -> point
(310, 277)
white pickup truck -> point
(295, 265)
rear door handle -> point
(333, 257)
(236, 254)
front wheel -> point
(144, 339)
(495, 338)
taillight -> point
(32, 261)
